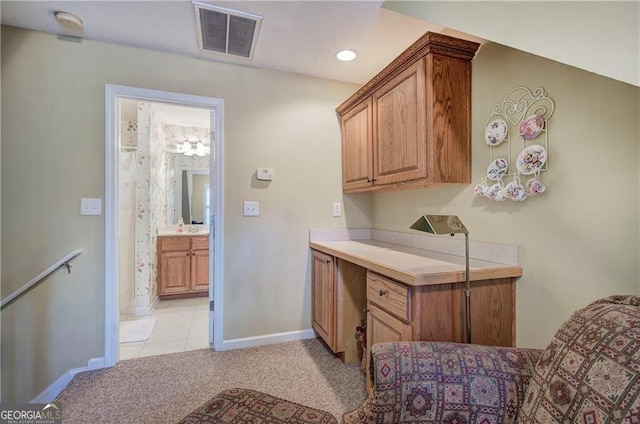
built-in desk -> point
(407, 293)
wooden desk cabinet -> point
(343, 292)
(338, 300)
(397, 312)
(183, 266)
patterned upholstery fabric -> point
(448, 383)
(590, 372)
(250, 406)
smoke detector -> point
(225, 31)
(69, 21)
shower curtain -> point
(127, 200)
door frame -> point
(113, 93)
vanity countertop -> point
(414, 266)
(185, 233)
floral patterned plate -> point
(496, 132)
(531, 159)
(497, 169)
(531, 127)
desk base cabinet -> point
(344, 292)
(338, 301)
(323, 297)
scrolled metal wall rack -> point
(527, 114)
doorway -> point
(207, 217)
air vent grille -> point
(227, 32)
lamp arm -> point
(467, 291)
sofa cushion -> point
(590, 372)
(448, 383)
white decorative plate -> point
(497, 169)
(496, 132)
(531, 127)
(531, 159)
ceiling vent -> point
(227, 32)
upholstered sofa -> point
(589, 373)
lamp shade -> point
(440, 224)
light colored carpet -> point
(137, 330)
(163, 389)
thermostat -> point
(264, 174)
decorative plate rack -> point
(522, 118)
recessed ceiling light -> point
(347, 55)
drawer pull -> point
(382, 292)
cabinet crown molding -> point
(430, 42)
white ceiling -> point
(296, 36)
(598, 36)
(303, 36)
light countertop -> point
(414, 266)
(185, 233)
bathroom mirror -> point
(188, 194)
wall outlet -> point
(337, 209)
(90, 206)
(251, 208)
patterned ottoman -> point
(250, 406)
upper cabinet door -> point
(399, 127)
(357, 162)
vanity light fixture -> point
(450, 224)
(187, 148)
(347, 55)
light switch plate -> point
(337, 210)
(90, 206)
(251, 208)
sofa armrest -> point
(435, 382)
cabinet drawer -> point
(391, 296)
(173, 243)
(200, 243)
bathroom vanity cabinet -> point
(183, 266)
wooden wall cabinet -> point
(357, 147)
(183, 266)
(410, 126)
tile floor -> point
(181, 325)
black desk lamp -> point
(450, 224)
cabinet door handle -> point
(382, 292)
(371, 180)
(365, 310)
(327, 261)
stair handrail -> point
(61, 263)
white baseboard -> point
(51, 392)
(146, 310)
(142, 310)
(267, 339)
